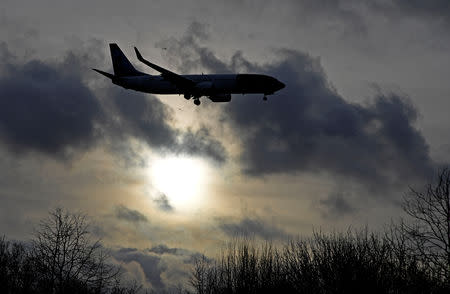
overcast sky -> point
(364, 116)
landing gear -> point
(197, 101)
(187, 96)
(265, 98)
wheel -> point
(187, 96)
(197, 102)
(265, 98)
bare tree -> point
(429, 232)
(67, 258)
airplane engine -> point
(204, 86)
(220, 98)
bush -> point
(354, 262)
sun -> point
(182, 179)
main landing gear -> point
(196, 99)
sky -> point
(363, 117)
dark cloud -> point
(6, 57)
(161, 261)
(163, 249)
(163, 202)
(142, 116)
(46, 107)
(336, 205)
(188, 256)
(148, 119)
(252, 227)
(150, 264)
(309, 127)
(131, 215)
(201, 142)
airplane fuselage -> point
(206, 84)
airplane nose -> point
(280, 85)
(274, 85)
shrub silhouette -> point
(409, 257)
(16, 270)
(352, 262)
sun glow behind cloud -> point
(183, 180)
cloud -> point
(432, 10)
(134, 273)
(48, 107)
(251, 227)
(350, 15)
(141, 116)
(336, 13)
(187, 53)
(148, 119)
(346, 16)
(163, 202)
(336, 205)
(201, 142)
(164, 267)
(124, 213)
(149, 264)
(187, 256)
(310, 127)
(163, 249)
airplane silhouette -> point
(217, 87)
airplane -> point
(217, 87)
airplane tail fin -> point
(122, 66)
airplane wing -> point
(178, 80)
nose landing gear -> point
(265, 98)
(197, 101)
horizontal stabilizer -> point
(106, 74)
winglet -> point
(138, 54)
(152, 65)
(180, 81)
(111, 76)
